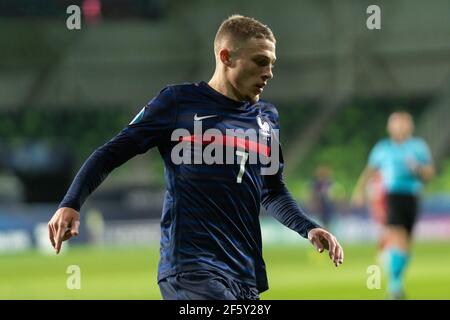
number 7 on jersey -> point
(244, 158)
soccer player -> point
(211, 244)
(322, 199)
(405, 163)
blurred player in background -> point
(321, 195)
(211, 246)
(377, 198)
(404, 163)
(377, 203)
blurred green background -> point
(294, 272)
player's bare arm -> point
(357, 199)
(426, 172)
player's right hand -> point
(62, 226)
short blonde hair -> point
(238, 29)
(404, 115)
(401, 114)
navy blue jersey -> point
(210, 217)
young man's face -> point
(400, 127)
(251, 68)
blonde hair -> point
(237, 29)
(401, 115)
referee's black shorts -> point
(402, 210)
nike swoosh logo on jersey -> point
(197, 118)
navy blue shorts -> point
(205, 285)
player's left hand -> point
(323, 240)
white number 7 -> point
(244, 156)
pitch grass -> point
(295, 272)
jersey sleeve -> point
(376, 155)
(423, 153)
(155, 122)
(278, 201)
(148, 129)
